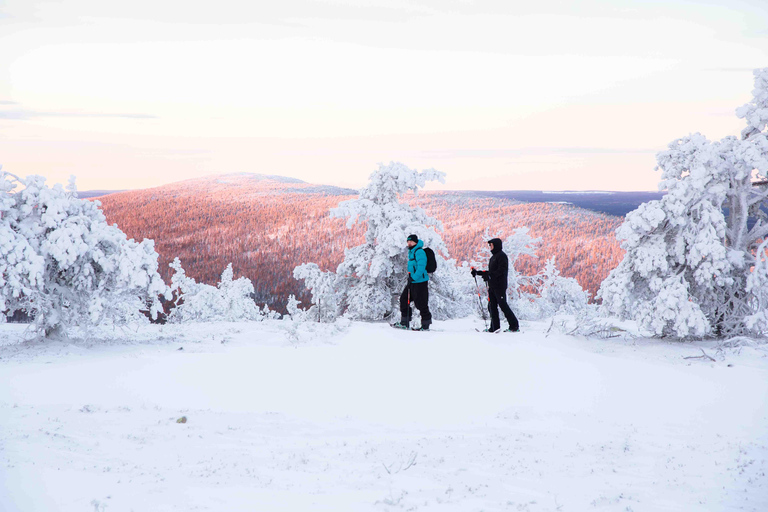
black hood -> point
(496, 245)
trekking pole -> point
(480, 301)
(410, 311)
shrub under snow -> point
(558, 294)
(64, 265)
(230, 301)
(695, 259)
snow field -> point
(378, 419)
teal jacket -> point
(417, 263)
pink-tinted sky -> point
(499, 95)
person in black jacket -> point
(496, 277)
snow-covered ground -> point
(372, 418)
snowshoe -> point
(490, 331)
(510, 330)
(399, 325)
(422, 328)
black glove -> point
(486, 277)
(474, 273)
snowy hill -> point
(282, 417)
(250, 176)
(243, 185)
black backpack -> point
(431, 261)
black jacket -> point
(498, 268)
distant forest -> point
(612, 203)
(267, 227)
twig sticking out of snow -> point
(404, 465)
(705, 355)
(591, 328)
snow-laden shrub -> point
(695, 259)
(64, 265)
(558, 294)
(520, 243)
(304, 325)
(367, 284)
(451, 290)
(230, 301)
(326, 300)
(295, 313)
(521, 289)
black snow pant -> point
(497, 298)
(420, 296)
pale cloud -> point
(23, 114)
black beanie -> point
(412, 238)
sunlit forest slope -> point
(267, 225)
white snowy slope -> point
(375, 418)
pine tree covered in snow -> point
(558, 294)
(367, 284)
(295, 313)
(520, 243)
(326, 300)
(230, 301)
(64, 265)
(695, 259)
(483, 253)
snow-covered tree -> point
(695, 259)
(322, 284)
(558, 294)
(368, 282)
(451, 290)
(520, 243)
(64, 265)
(230, 301)
(295, 313)
(483, 252)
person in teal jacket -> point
(417, 289)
